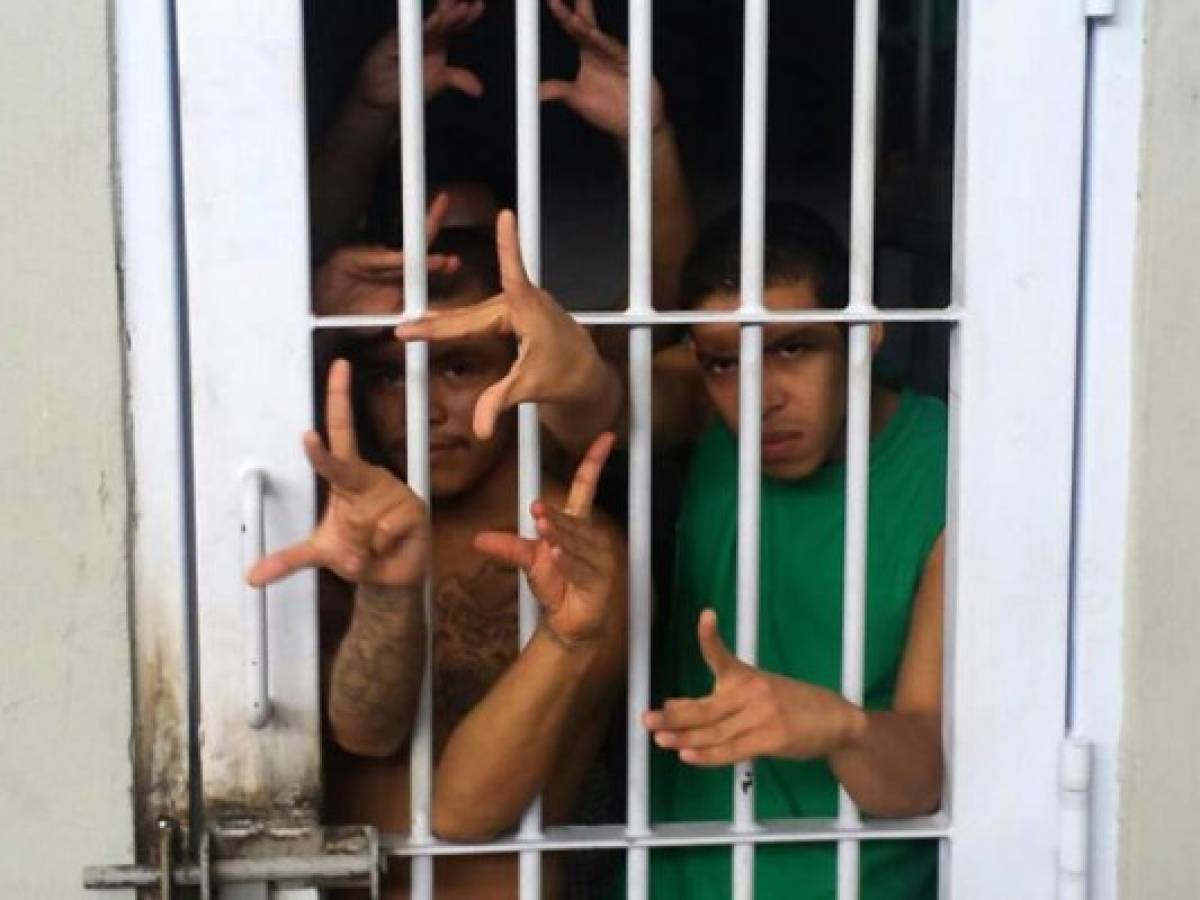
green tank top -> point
(800, 635)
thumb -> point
(716, 655)
(464, 80)
(495, 400)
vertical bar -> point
(416, 386)
(754, 165)
(152, 293)
(858, 436)
(858, 415)
(528, 450)
(641, 350)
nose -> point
(438, 411)
(774, 396)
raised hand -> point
(368, 279)
(556, 359)
(378, 79)
(752, 713)
(572, 566)
(600, 92)
(375, 531)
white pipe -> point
(754, 177)
(854, 592)
(862, 167)
(630, 318)
(416, 357)
(528, 15)
(258, 701)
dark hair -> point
(799, 245)
(476, 250)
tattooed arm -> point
(374, 532)
(540, 725)
(377, 671)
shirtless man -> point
(508, 724)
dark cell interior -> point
(698, 50)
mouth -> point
(779, 445)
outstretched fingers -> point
(341, 474)
(339, 413)
(488, 317)
(587, 476)
(282, 563)
(508, 252)
(716, 655)
(507, 547)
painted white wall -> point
(1160, 776)
(65, 774)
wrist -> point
(578, 650)
(855, 723)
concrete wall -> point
(64, 649)
(1161, 777)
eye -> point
(458, 369)
(387, 377)
(793, 349)
(716, 367)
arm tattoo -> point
(378, 667)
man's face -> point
(459, 371)
(803, 383)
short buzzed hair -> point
(479, 268)
(799, 245)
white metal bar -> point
(858, 424)
(152, 295)
(682, 834)
(246, 221)
(416, 386)
(628, 319)
(862, 165)
(258, 701)
(641, 356)
(528, 38)
(754, 178)
(858, 437)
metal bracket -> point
(335, 857)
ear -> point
(878, 333)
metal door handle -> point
(258, 709)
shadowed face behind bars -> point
(458, 372)
(803, 383)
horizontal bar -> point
(864, 316)
(687, 834)
(326, 871)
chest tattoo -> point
(474, 638)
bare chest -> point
(474, 632)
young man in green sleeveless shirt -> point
(787, 714)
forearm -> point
(501, 755)
(377, 671)
(344, 170)
(672, 223)
(892, 766)
(596, 407)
